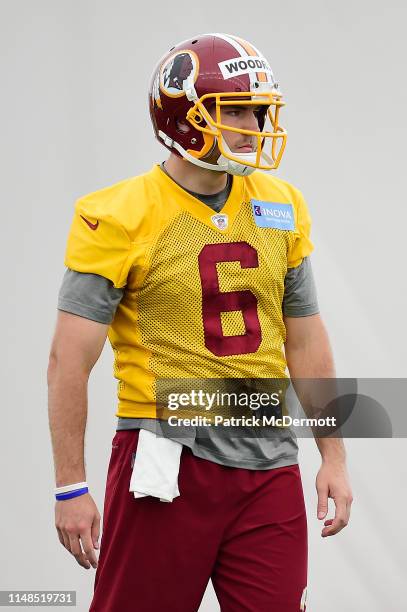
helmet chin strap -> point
(238, 168)
(223, 164)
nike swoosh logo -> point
(91, 225)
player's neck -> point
(193, 177)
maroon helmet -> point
(216, 70)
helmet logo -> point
(178, 70)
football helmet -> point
(212, 71)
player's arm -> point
(75, 349)
(76, 346)
(99, 255)
(309, 356)
(87, 304)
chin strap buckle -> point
(166, 139)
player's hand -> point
(77, 521)
(333, 481)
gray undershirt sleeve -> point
(300, 295)
(89, 295)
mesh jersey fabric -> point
(230, 324)
(94, 297)
(161, 242)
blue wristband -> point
(71, 494)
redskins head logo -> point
(178, 68)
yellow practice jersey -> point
(204, 290)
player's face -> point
(242, 117)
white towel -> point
(156, 467)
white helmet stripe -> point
(232, 41)
(256, 51)
(241, 50)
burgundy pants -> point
(244, 529)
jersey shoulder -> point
(269, 186)
(135, 204)
(110, 230)
(120, 204)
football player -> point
(197, 269)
